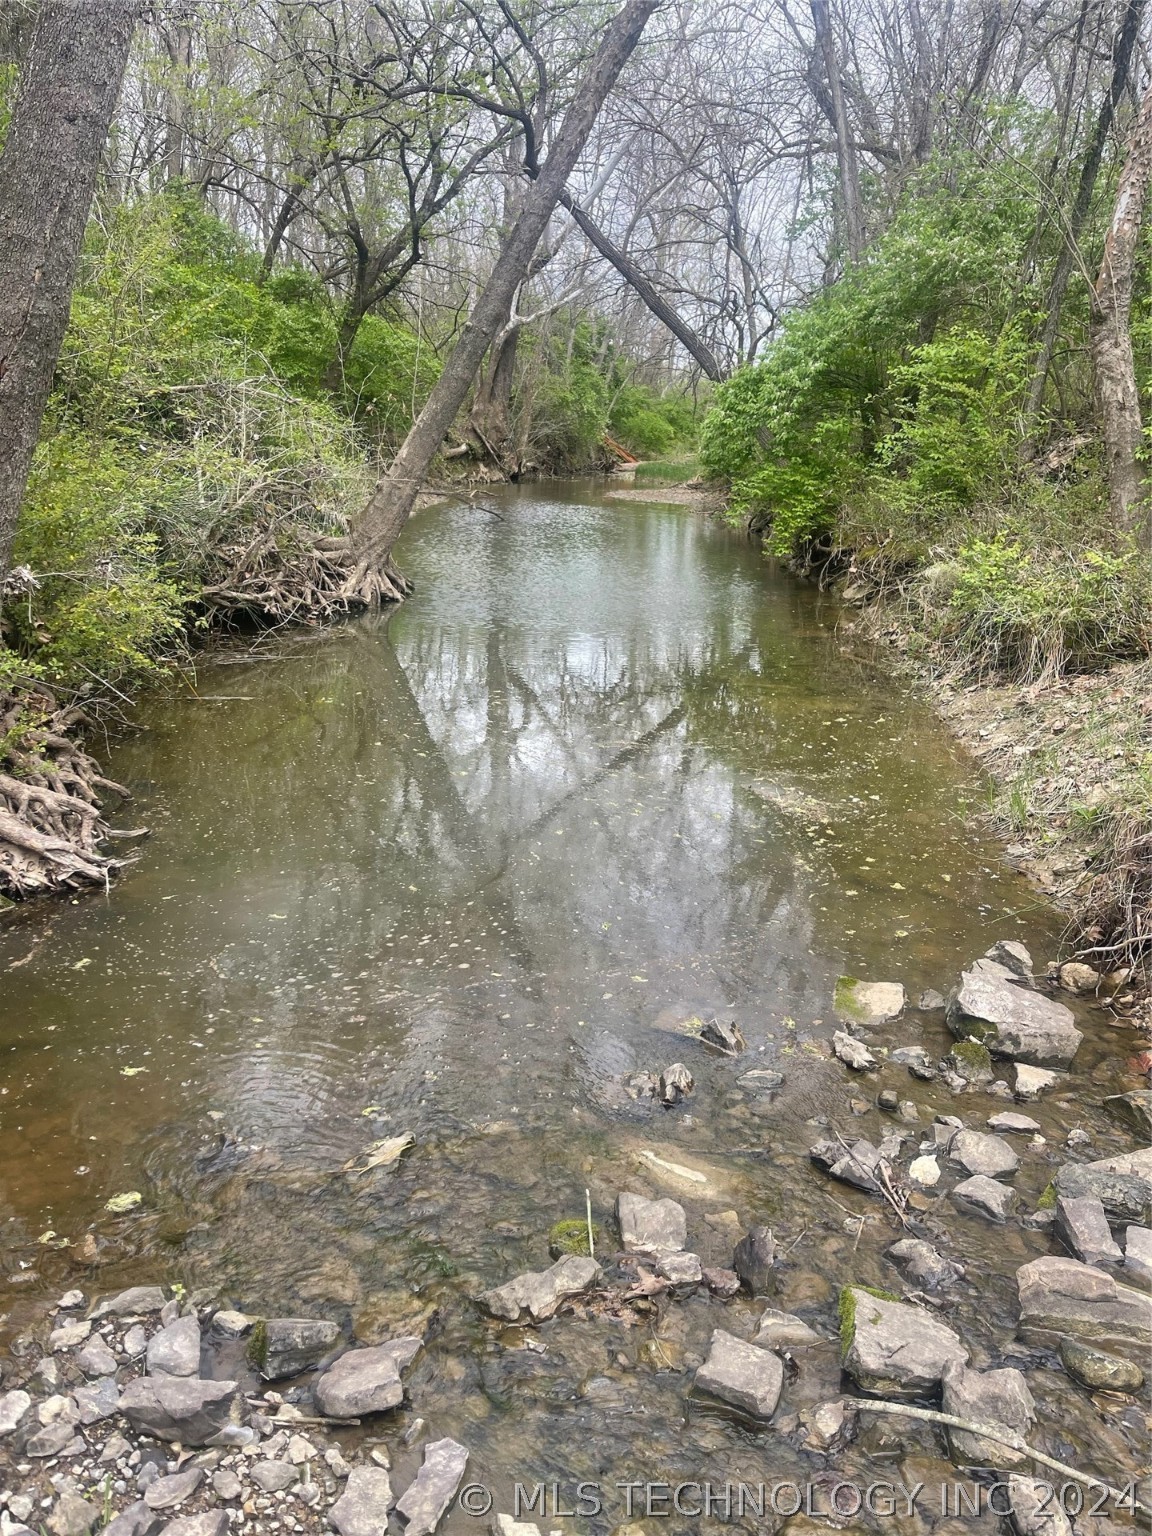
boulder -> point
(1123, 1184)
(1011, 1019)
(1082, 1227)
(1034, 1512)
(867, 1002)
(289, 1345)
(986, 1197)
(362, 1509)
(1137, 1259)
(1008, 1122)
(426, 1500)
(541, 1292)
(892, 1348)
(977, 1152)
(1134, 1110)
(650, 1226)
(784, 1330)
(968, 1062)
(742, 1374)
(1097, 1370)
(1061, 1296)
(175, 1350)
(138, 1301)
(366, 1380)
(996, 1398)
(853, 1053)
(176, 1408)
(1075, 976)
(922, 1264)
(752, 1259)
(1014, 957)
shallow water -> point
(459, 871)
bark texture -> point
(1114, 372)
(69, 84)
(846, 161)
(373, 576)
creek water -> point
(460, 871)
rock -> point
(1012, 1124)
(113, 1448)
(1062, 1296)
(977, 1152)
(892, 1348)
(724, 1035)
(1137, 1261)
(99, 1400)
(69, 1335)
(924, 1171)
(922, 1263)
(650, 1226)
(1010, 1019)
(232, 1325)
(541, 1292)
(72, 1516)
(752, 1259)
(13, 1406)
(20, 1506)
(828, 1426)
(289, 1345)
(1082, 1227)
(1000, 1399)
(760, 1080)
(968, 1062)
(226, 1485)
(139, 1300)
(1074, 976)
(175, 1350)
(1013, 956)
(721, 1282)
(1097, 1370)
(1123, 1184)
(135, 1341)
(784, 1330)
(136, 1520)
(1032, 1081)
(362, 1509)
(167, 1492)
(909, 1112)
(300, 1450)
(213, 1522)
(96, 1359)
(916, 1059)
(53, 1439)
(857, 1165)
(853, 1053)
(889, 1100)
(1133, 1109)
(368, 1380)
(931, 1001)
(673, 1084)
(1034, 1511)
(425, 1502)
(986, 1197)
(272, 1476)
(70, 1301)
(741, 1374)
(869, 1003)
(680, 1268)
(175, 1408)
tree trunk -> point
(395, 495)
(1081, 207)
(491, 415)
(67, 94)
(849, 169)
(179, 46)
(1118, 400)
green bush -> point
(648, 423)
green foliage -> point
(649, 424)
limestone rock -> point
(892, 1348)
(213, 1522)
(96, 1359)
(367, 1380)
(923, 1264)
(742, 1374)
(1134, 1110)
(273, 1476)
(650, 1226)
(752, 1259)
(721, 1282)
(13, 1406)
(1032, 1081)
(987, 1155)
(1137, 1259)
(680, 1268)
(68, 1335)
(541, 1292)
(1009, 1123)
(1061, 1296)
(428, 1498)
(226, 1485)
(175, 1350)
(1034, 1511)
(853, 1053)
(784, 1330)
(232, 1325)
(986, 1197)
(1097, 1370)
(136, 1520)
(1011, 1019)
(996, 1398)
(72, 1516)
(99, 1400)
(362, 1509)
(761, 1080)
(138, 1300)
(867, 1002)
(167, 1492)
(1082, 1227)
(1013, 956)
(924, 1171)
(724, 1035)
(176, 1408)
(1074, 976)
(856, 1165)
(292, 1344)
(1123, 1184)
(916, 1059)
(931, 1001)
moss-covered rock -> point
(571, 1236)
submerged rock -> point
(362, 1509)
(1060, 1297)
(1000, 1399)
(979, 1153)
(893, 1348)
(1134, 1110)
(931, 1001)
(867, 1002)
(760, 1080)
(650, 1226)
(922, 1263)
(1010, 1019)
(784, 1330)
(1032, 1081)
(1034, 1511)
(367, 1380)
(1123, 1184)
(674, 1084)
(724, 1035)
(856, 1165)
(285, 1346)
(176, 1408)
(752, 1259)
(987, 1197)
(541, 1292)
(916, 1059)
(853, 1053)
(1098, 1370)
(742, 1374)
(1082, 1227)
(426, 1500)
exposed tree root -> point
(289, 580)
(51, 824)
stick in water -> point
(588, 1209)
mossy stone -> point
(571, 1237)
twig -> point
(588, 1209)
(1002, 1436)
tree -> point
(69, 85)
(374, 576)
(1117, 397)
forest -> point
(871, 270)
